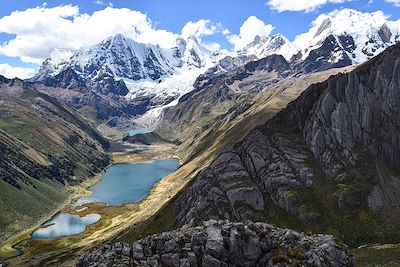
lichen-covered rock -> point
(223, 243)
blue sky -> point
(168, 15)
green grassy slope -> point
(44, 148)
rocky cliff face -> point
(222, 243)
(329, 160)
(121, 69)
(228, 86)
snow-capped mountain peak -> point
(56, 62)
(121, 66)
(191, 53)
(125, 58)
(367, 34)
(266, 45)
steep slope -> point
(218, 102)
(216, 96)
(144, 79)
(328, 162)
(344, 37)
(121, 70)
(224, 244)
(117, 55)
(265, 46)
(45, 147)
(337, 39)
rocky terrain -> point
(126, 77)
(120, 77)
(222, 96)
(46, 146)
(327, 162)
(223, 243)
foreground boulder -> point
(224, 243)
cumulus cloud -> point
(199, 28)
(394, 2)
(39, 30)
(248, 31)
(11, 72)
(302, 5)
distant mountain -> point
(124, 71)
(266, 46)
(123, 58)
(340, 38)
(356, 35)
(121, 67)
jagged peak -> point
(341, 22)
(193, 38)
(263, 46)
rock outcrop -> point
(329, 159)
(223, 243)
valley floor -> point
(66, 251)
(131, 221)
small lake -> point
(65, 225)
(120, 184)
(129, 183)
(138, 131)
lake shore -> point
(114, 219)
(7, 249)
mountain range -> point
(143, 77)
(303, 134)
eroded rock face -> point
(334, 150)
(223, 243)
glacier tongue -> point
(121, 67)
(127, 59)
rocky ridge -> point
(329, 158)
(125, 71)
(223, 243)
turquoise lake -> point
(137, 131)
(120, 184)
(65, 225)
(128, 183)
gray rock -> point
(170, 259)
(223, 243)
(137, 251)
(342, 134)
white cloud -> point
(200, 28)
(302, 5)
(11, 72)
(102, 3)
(212, 46)
(39, 30)
(394, 2)
(248, 31)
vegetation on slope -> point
(45, 147)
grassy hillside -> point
(205, 138)
(45, 147)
